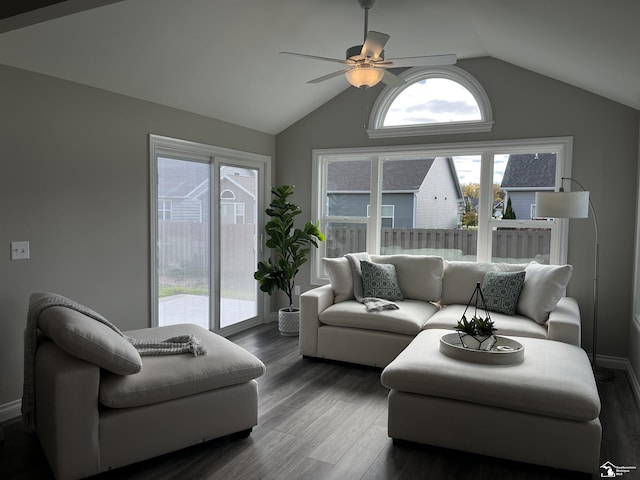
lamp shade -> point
(562, 204)
(364, 76)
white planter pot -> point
(289, 322)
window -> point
(386, 214)
(433, 101)
(471, 201)
(164, 209)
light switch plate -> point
(19, 250)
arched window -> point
(434, 100)
(227, 195)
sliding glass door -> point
(238, 217)
(207, 209)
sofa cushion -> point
(419, 276)
(544, 285)
(167, 377)
(516, 325)
(501, 291)
(409, 319)
(380, 281)
(460, 278)
(339, 272)
(89, 340)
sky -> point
(468, 168)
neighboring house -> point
(416, 193)
(237, 197)
(524, 175)
(183, 191)
(183, 194)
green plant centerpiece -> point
(479, 332)
(291, 247)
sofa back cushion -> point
(460, 278)
(419, 276)
(89, 340)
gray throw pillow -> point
(379, 281)
(501, 291)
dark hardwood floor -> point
(324, 420)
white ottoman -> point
(542, 411)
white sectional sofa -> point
(333, 325)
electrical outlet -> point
(296, 290)
(19, 250)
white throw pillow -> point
(90, 340)
(544, 286)
(339, 272)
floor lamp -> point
(563, 204)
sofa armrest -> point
(312, 303)
(67, 418)
(564, 323)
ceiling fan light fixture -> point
(364, 76)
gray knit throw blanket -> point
(170, 346)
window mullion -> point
(375, 222)
(485, 207)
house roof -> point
(530, 170)
(206, 62)
(355, 176)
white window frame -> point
(487, 150)
(456, 74)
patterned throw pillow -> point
(501, 291)
(379, 281)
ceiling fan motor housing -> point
(355, 53)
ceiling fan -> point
(366, 65)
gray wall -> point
(525, 105)
(74, 181)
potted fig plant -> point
(290, 247)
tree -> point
(509, 214)
(469, 216)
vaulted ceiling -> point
(219, 58)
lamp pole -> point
(602, 375)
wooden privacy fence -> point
(183, 255)
(506, 243)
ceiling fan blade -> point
(314, 57)
(374, 44)
(392, 80)
(427, 61)
(327, 77)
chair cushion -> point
(409, 319)
(89, 340)
(544, 286)
(167, 377)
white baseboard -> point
(10, 410)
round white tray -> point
(505, 352)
